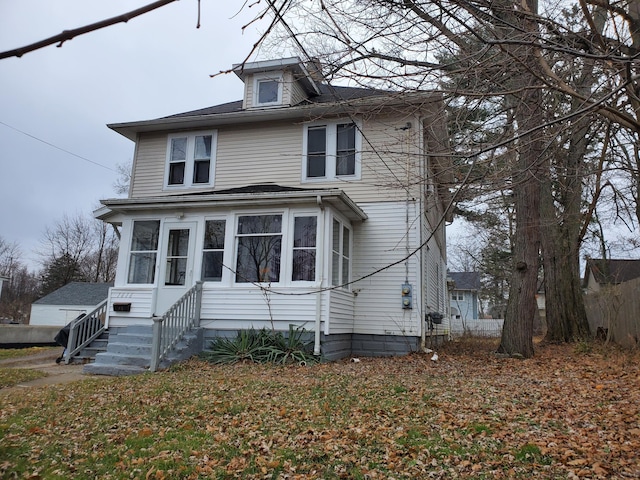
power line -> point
(57, 147)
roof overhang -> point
(304, 112)
(335, 198)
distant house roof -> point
(77, 293)
(465, 280)
(328, 94)
(612, 271)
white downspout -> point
(320, 275)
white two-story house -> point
(301, 204)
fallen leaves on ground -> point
(561, 414)
(14, 376)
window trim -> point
(131, 252)
(291, 246)
(283, 234)
(224, 250)
(331, 150)
(257, 79)
(190, 160)
(343, 226)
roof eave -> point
(334, 197)
(130, 130)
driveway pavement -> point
(45, 362)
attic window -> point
(268, 91)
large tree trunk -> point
(522, 309)
(565, 312)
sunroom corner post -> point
(198, 306)
(155, 346)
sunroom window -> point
(144, 251)
(304, 248)
(259, 247)
(340, 254)
(213, 250)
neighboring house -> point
(600, 272)
(464, 295)
(68, 302)
(301, 204)
(2, 280)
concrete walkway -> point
(44, 362)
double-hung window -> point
(144, 251)
(331, 151)
(340, 254)
(259, 247)
(304, 248)
(191, 159)
(213, 250)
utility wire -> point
(57, 147)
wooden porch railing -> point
(84, 330)
(169, 329)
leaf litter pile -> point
(563, 414)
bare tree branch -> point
(70, 34)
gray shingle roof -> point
(77, 293)
(612, 271)
(465, 280)
(327, 95)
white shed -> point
(60, 307)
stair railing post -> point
(71, 342)
(156, 342)
(196, 320)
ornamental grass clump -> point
(263, 346)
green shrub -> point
(262, 346)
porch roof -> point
(248, 196)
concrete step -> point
(110, 358)
(112, 370)
(130, 348)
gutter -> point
(320, 263)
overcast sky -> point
(154, 65)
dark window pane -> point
(316, 151)
(305, 232)
(345, 242)
(212, 266)
(176, 271)
(178, 244)
(201, 171)
(258, 259)
(176, 173)
(145, 235)
(142, 268)
(202, 147)
(178, 149)
(346, 149)
(214, 234)
(304, 265)
(268, 91)
(335, 269)
(345, 164)
(260, 224)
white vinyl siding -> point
(380, 241)
(235, 308)
(272, 152)
(341, 311)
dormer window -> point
(267, 91)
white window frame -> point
(291, 248)
(257, 79)
(224, 250)
(154, 252)
(190, 160)
(340, 252)
(284, 233)
(331, 150)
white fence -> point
(484, 327)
